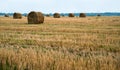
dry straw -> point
(35, 17)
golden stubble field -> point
(91, 43)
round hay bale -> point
(63, 15)
(47, 15)
(56, 15)
(6, 15)
(35, 17)
(98, 15)
(25, 15)
(17, 15)
(82, 15)
(71, 15)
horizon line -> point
(63, 12)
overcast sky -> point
(62, 6)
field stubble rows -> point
(91, 43)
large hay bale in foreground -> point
(56, 15)
(71, 15)
(17, 15)
(82, 15)
(6, 15)
(35, 17)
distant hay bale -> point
(25, 15)
(47, 15)
(98, 15)
(82, 15)
(17, 15)
(62, 15)
(56, 15)
(71, 15)
(6, 15)
(35, 17)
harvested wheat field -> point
(91, 43)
